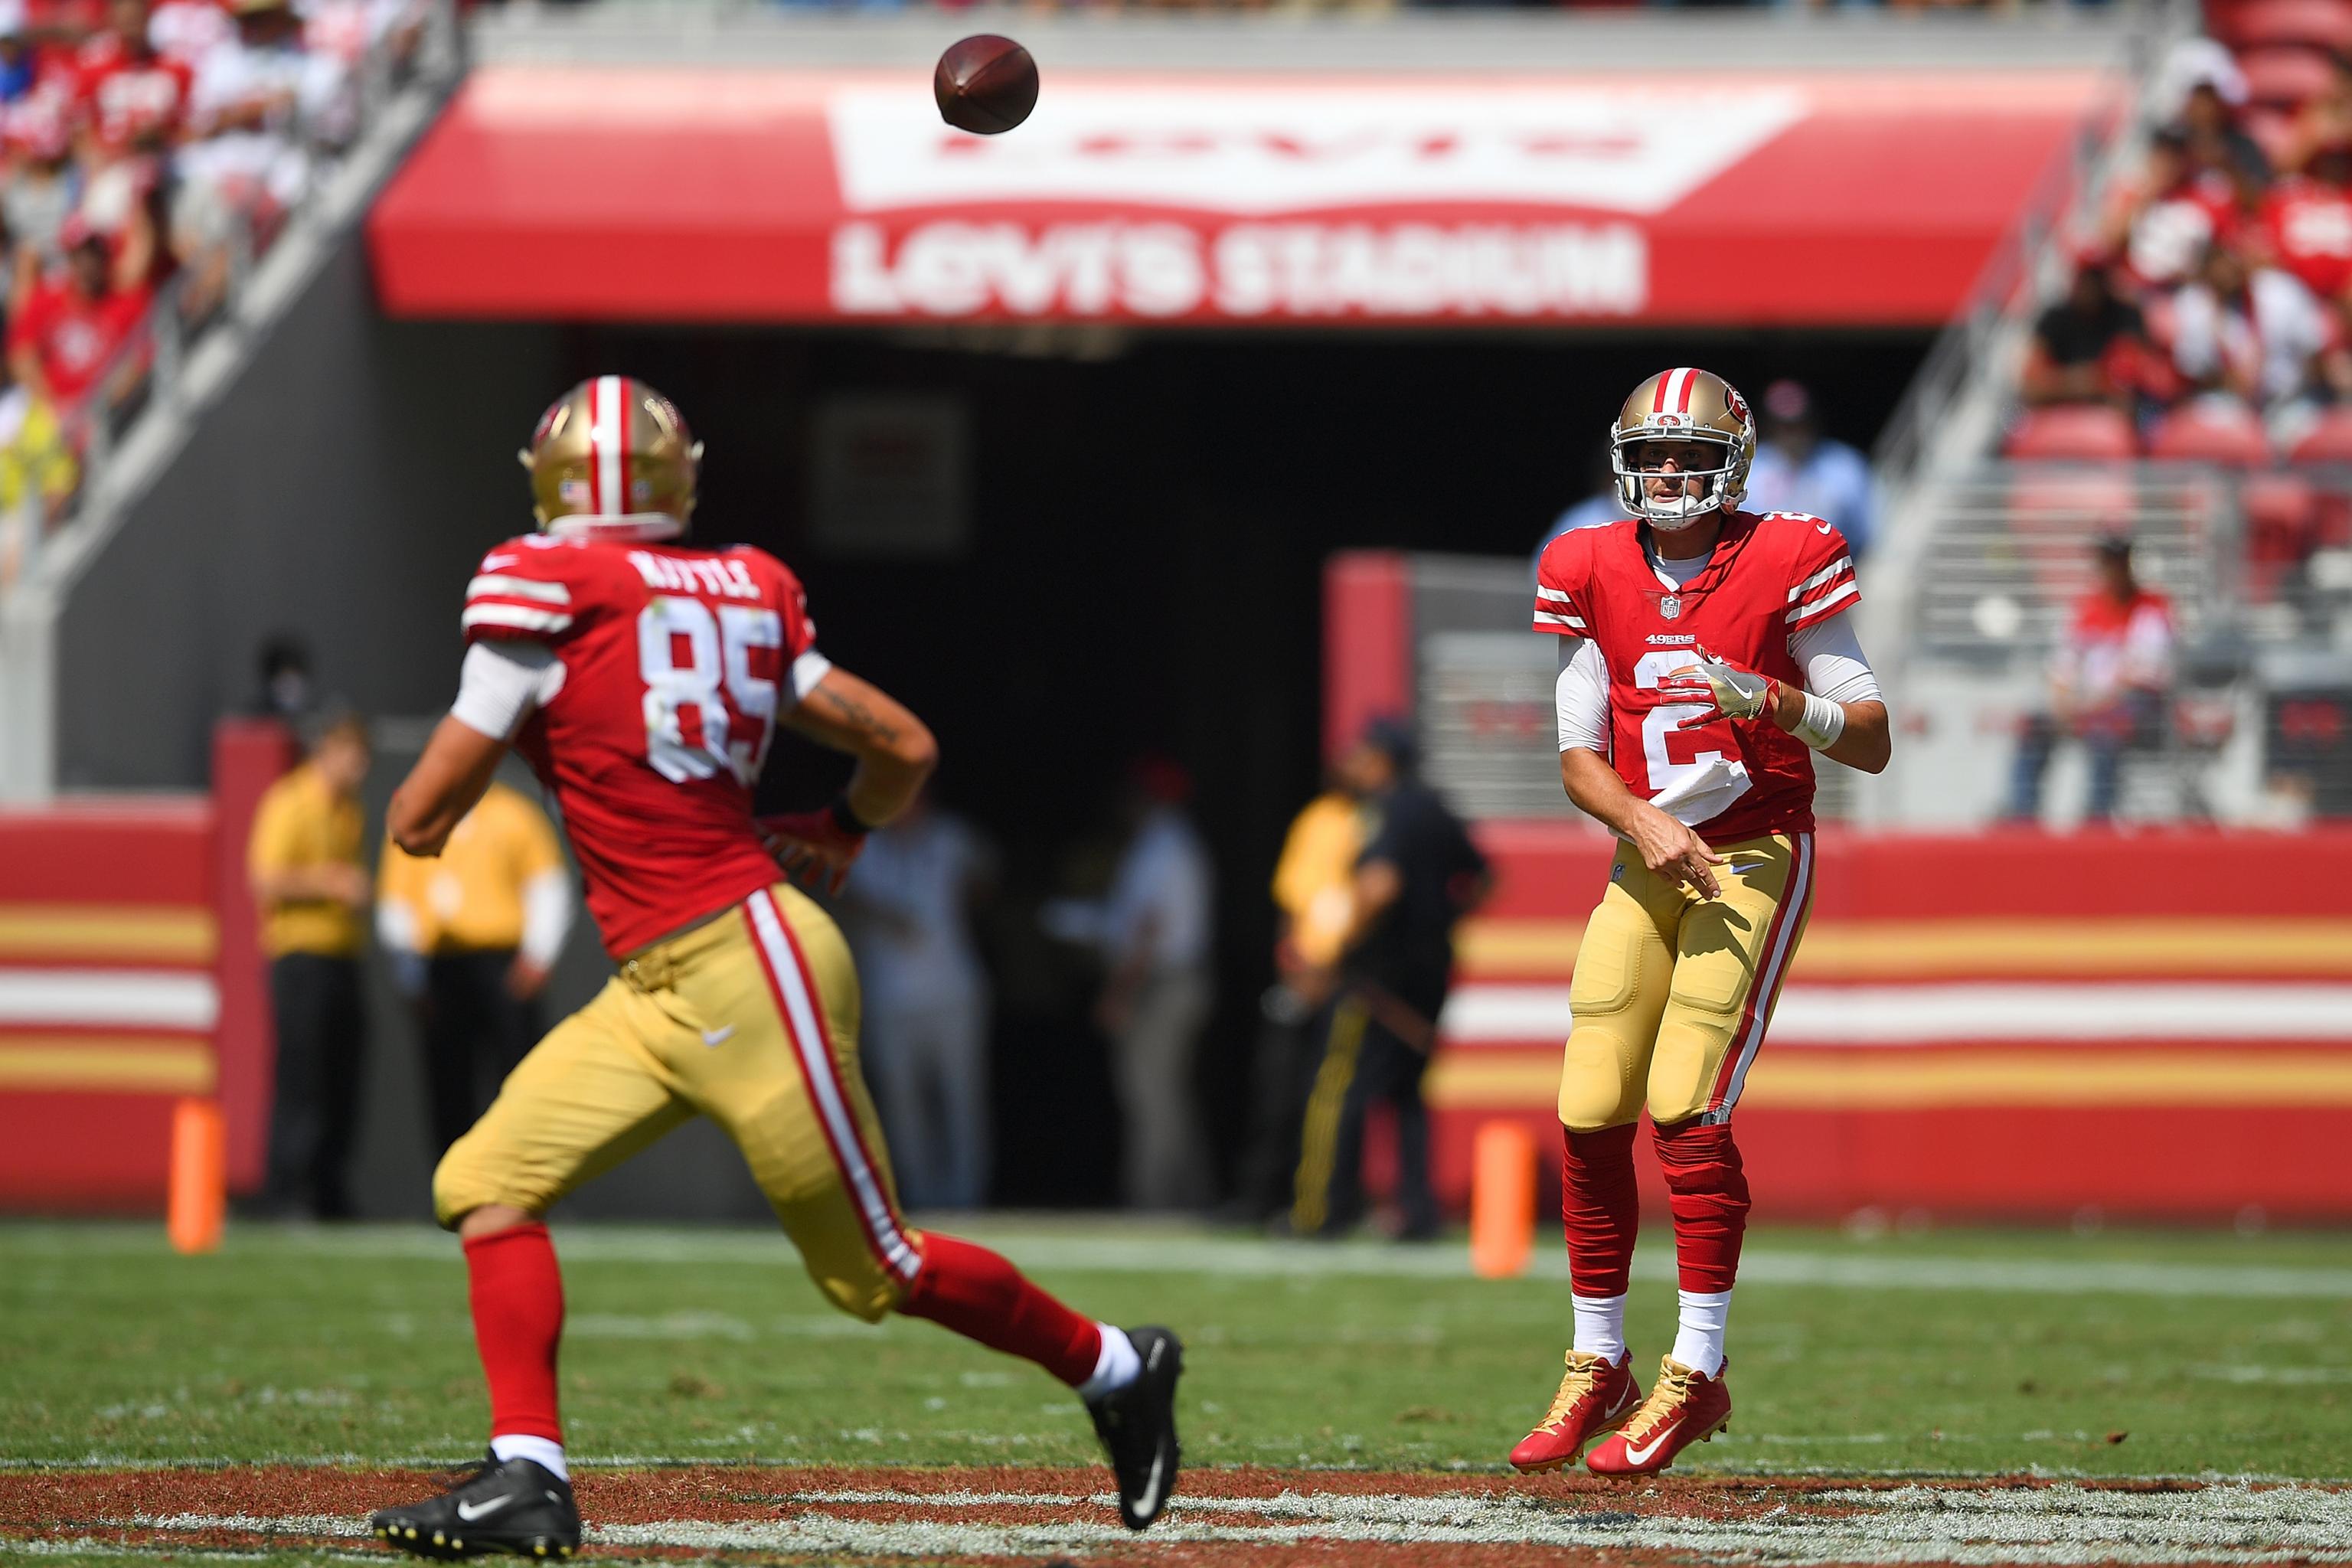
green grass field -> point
(1970, 1353)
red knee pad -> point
(1708, 1191)
(1600, 1209)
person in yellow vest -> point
(310, 885)
(1314, 895)
(472, 936)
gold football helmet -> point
(1690, 405)
(613, 458)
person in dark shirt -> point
(1417, 875)
(2088, 347)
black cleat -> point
(1138, 1427)
(516, 1506)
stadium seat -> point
(2285, 78)
(2311, 24)
(2212, 433)
(2329, 440)
(2282, 529)
(2083, 431)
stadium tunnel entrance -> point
(1132, 564)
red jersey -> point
(75, 336)
(2310, 226)
(672, 657)
(128, 98)
(1769, 574)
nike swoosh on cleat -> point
(1648, 1451)
(472, 1512)
(715, 1039)
(1623, 1399)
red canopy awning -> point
(549, 192)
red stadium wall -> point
(2155, 1025)
(129, 978)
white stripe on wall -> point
(111, 998)
(1493, 1014)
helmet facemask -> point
(1720, 486)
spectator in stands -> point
(1797, 469)
(2307, 224)
(261, 105)
(17, 60)
(2202, 81)
(1155, 930)
(189, 30)
(2108, 686)
(908, 909)
(37, 476)
(77, 329)
(2089, 346)
(473, 935)
(311, 888)
(42, 190)
(2323, 123)
(2256, 335)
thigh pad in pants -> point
(1618, 993)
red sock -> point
(518, 1296)
(1708, 1190)
(1600, 1209)
(983, 1297)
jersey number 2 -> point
(730, 731)
(1649, 673)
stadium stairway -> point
(189, 382)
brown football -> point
(986, 84)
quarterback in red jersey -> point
(1705, 654)
(644, 678)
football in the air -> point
(986, 84)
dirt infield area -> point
(1229, 1518)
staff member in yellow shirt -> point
(1313, 891)
(472, 936)
(310, 885)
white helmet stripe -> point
(609, 438)
(1678, 392)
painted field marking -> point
(2052, 1525)
(1154, 1252)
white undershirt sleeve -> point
(1830, 656)
(1582, 694)
(546, 916)
(807, 670)
(502, 683)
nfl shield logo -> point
(1670, 606)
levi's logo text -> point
(724, 576)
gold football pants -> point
(1673, 993)
(750, 1019)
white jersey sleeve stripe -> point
(514, 616)
(1819, 577)
(1553, 596)
(501, 586)
(1545, 618)
(1836, 596)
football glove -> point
(1736, 693)
(813, 847)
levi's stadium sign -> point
(667, 194)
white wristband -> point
(1823, 722)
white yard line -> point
(1154, 1252)
(2055, 1525)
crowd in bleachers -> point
(146, 147)
(2209, 316)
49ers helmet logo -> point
(1713, 439)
